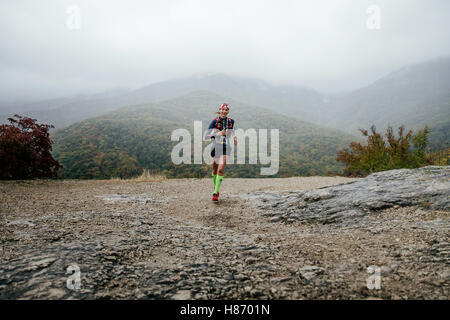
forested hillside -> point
(124, 142)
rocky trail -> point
(385, 236)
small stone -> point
(307, 273)
(251, 260)
(182, 295)
(56, 293)
(385, 270)
(444, 275)
(275, 219)
(43, 263)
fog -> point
(55, 48)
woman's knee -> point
(221, 169)
(215, 166)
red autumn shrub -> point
(25, 150)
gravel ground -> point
(167, 240)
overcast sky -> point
(324, 45)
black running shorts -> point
(216, 151)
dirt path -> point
(167, 239)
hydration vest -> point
(224, 124)
(220, 124)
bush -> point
(380, 155)
(25, 150)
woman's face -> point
(223, 113)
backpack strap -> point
(217, 123)
(230, 124)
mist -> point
(56, 48)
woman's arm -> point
(211, 132)
(232, 134)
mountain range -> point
(414, 95)
(123, 142)
(119, 132)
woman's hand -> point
(235, 141)
(221, 133)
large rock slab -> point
(349, 203)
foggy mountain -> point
(414, 95)
(290, 100)
(64, 111)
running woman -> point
(220, 130)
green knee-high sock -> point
(218, 183)
(214, 178)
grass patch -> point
(146, 176)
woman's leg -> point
(220, 172)
(215, 166)
(221, 165)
